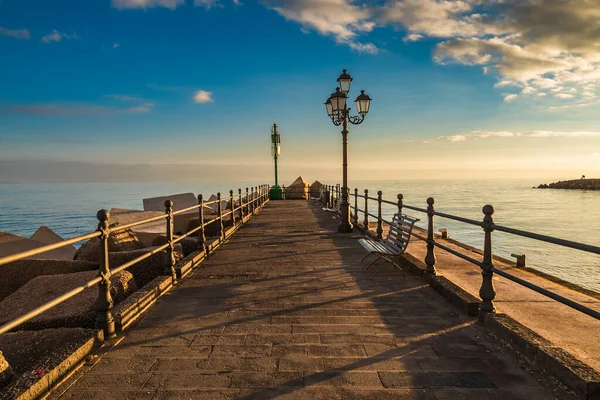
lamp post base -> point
(345, 227)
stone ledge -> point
(23, 386)
(573, 373)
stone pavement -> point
(286, 310)
(541, 314)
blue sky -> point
(463, 87)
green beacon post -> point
(275, 193)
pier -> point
(285, 308)
(270, 300)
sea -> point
(70, 210)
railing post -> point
(400, 203)
(283, 191)
(104, 302)
(379, 217)
(430, 257)
(170, 267)
(247, 202)
(201, 233)
(355, 206)
(220, 213)
(366, 220)
(257, 198)
(487, 292)
(251, 200)
(232, 208)
(241, 205)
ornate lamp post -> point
(340, 115)
(276, 192)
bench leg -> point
(365, 257)
(391, 261)
(379, 257)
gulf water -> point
(70, 210)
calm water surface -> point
(70, 210)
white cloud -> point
(116, 46)
(510, 97)
(564, 96)
(202, 96)
(208, 4)
(413, 37)
(15, 33)
(507, 134)
(344, 20)
(123, 4)
(56, 36)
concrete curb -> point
(576, 375)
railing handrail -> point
(487, 292)
(260, 196)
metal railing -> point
(487, 292)
(256, 197)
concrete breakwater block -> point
(12, 244)
(147, 269)
(213, 229)
(124, 240)
(315, 189)
(18, 273)
(180, 201)
(299, 189)
(39, 359)
(78, 311)
(147, 232)
(188, 245)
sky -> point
(142, 90)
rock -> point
(188, 245)
(12, 244)
(210, 230)
(574, 184)
(6, 372)
(78, 311)
(315, 189)
(47, 236)
(297, 190)
(180, 201)
(147, 269)
(18, 273)
(124, 240)
(147, 232)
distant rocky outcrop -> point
(575, 184)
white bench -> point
(394, 244)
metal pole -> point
(232, 208)
(170, 267)
(430, 257)
(241, 205)
(379, 217)
(345, 224)
(275, 152)
(201, 234)
(356, 205)
(220, 213)
(487, 292)
(366, 220)
(104, 302)
(400, 204)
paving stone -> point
(118, 381)
(188, 380)
(265, 364)
(240, 351)
(300, 363)
(103, 394)
(350, 350)
(436, 380)
(174, 351)
(255, 339)
(343, 378)
(266, 380)
(217, 394)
